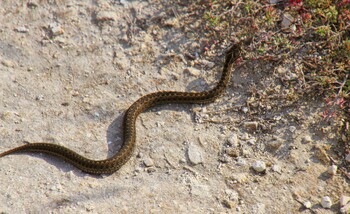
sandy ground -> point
(69, 70)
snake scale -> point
(112, 164)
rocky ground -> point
(69, 70)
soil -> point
(70, 69)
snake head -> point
(234, 52)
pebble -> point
(345, 209)
(307, 204)
(32, 4)
(347, 158)
(239, 177)
(39, 97)
(259, 166)
(326, 202)
(172, 22)
(22, 29)
(287, 20)
(245, 136)
(148, 162)
(192, 71)
(195, 154)
(332, 170)
(233, 152)
(233, 140)
(344, 200)
(232, 195)
(106, 16)
(207, 63)
(228, 204)
(307, 139)
(276, 168)
(56, 29)
(292, 129)
(245, 110)
(150, 169)
(274, 145)
(241, 161)
(252, 126)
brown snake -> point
(112, 164)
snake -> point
(115, 162)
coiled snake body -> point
(112, 164)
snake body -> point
(112, 164)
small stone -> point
(22, 29)
(273, 145)
(139, 155)
(274, 1)
(344, 200)
(228, 204)
(148, 162)
(259, 166)
(192, 71)
(332, 170)
(39, 97)
(245, 136)
(345, 209)
(251, 141)
(207, 63)
(307, 139)
(195, 154)
(245, 110)
(150, 169)
(56, 29)
(251, 126)
(233, 140)
(293, 28)
(172, 22)
(276, 168)
(287, 20)
(233, 152)
(106, 16)
(347, 158)
(307, 204)
(326, 202)
(232, 195)
(281, 70)
(241, 161)
(239, 177)
(292, 129)
(32, 4)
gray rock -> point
(259, 166)
(195, 154)
(326, 202)
(287, 20)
